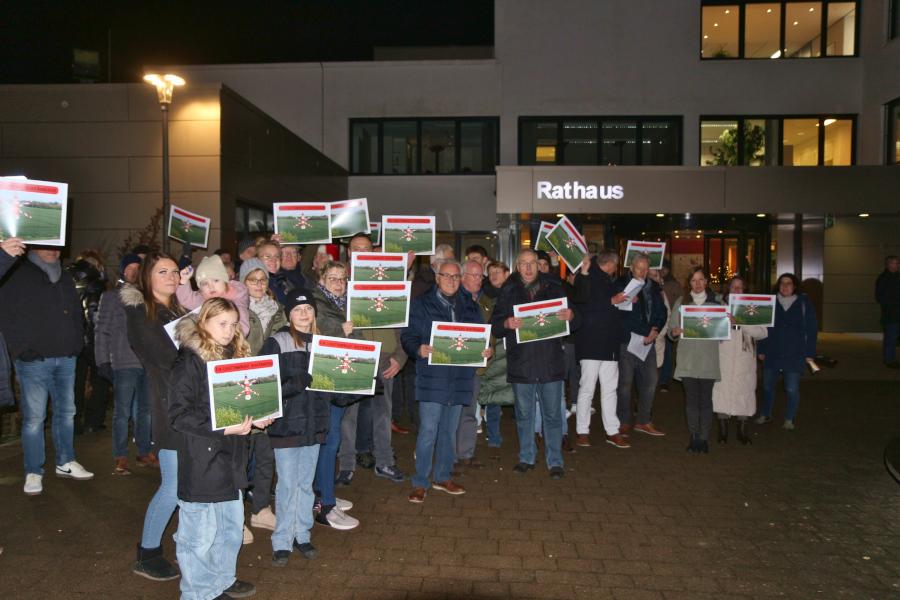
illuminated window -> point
(720, 32)
(841, 29)
(893, 133)
(800, 143)
(762, 31)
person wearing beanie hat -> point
(212, 281)
(250, 265)
(298, 297)
(129, 268)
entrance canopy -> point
(710, 190)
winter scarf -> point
(53, 270)
(264, 308)
(339, 301)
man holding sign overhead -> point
(536, 369)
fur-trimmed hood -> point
(188, 336)
(130, 295)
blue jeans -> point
(436, 441)
(130, 403)
(665, 372)
(791, 389)
(889, 341)
(208, 540)
(539, 418)
(549, 395)
(324, 485)
(38, 379)
(164, 502)
(294, 496)
(492, 416)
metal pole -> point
(165, 176)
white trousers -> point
(607, 373)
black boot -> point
(742, 435)
(694, 445)
(152, 564)
(723, 430)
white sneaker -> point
(248, 536)
(73, 470)
(264, 519)
(342, 504)
(338, 519)
(788, 424)
(33, 484)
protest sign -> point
(705, 323)
(459, 344)
(655, 251)
(752, 309)
(34, 211)
(541, 243)
(374, 266)
(343, 366)
(303, 222)
(404, 233)
(188, 227)
(376, 305)
(540, 320)
(242, 387)
(568, 243)
(375, 233)
(349, 217)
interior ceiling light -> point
(727, 11)
(715, 24)
(812, 9)
(864, 215)
(761, 215)
(796, 23)
(768, 10)
(660, 215)
(777, 54)
(829, 122)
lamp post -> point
(165, 85)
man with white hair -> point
(424, 278)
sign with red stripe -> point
(541, 320)
(34, 211)
(199, 219)
(358, 346)
(384, 257)
(541, 306)
(188, 227)
(243, 387)
(655, 251)
(464, 328)
(342, 366)
(458, 344)
(716, 310)
(404, 233)
(19, 185)
(378, 287)
(243, 366)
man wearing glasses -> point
(441, 391)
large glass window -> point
(758, 29)
(770, 141)
(399, 148)
(893, 133)
(539, 140)
(720, 31)
(438, 146)
(600, 141)
(580, 142)
(660, 143)
(895, 18)
(718, 143)
(427, 146)
(841, 29)
(800, 143)
(478, 148)
(364, 148)
(762, 31)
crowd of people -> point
(66, 332)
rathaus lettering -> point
(572, 190)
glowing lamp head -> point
(165, 85)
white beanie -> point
(211, 267)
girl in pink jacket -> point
(212, 280)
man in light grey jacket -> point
(117, 362)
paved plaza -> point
(810, 513)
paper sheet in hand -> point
(242, 387)
(303, 222)
(637, 346)
(460, 344)
(343, 366)
(188, 227)
(540, 320)
(631, 290)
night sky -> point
(39, 35)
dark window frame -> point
(823, 38)
(891, 157)
(893, 23)
(639, 120)
(820, 161)
(457, 154)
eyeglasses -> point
(257, 280)
(455, 277)
(336, 279)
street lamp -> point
(165, 85)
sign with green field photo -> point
(655, 251)
(568, 243)
(404, 233)
(541, 243)
(752, 309)
(385, 266)
(349, 217)
(343, 366)
(705, 323)
(375, 233)
(188, 227)
(459, 344)
(34, 211)
(303, 222)
(373, 305)
(540, 320)
(242, 387)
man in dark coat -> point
(43, 324)
(887, 294)
(597, 345)
(441, 390)
(645, 319)
(536, 370)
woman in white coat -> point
(734, 395)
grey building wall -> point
(105, 141)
